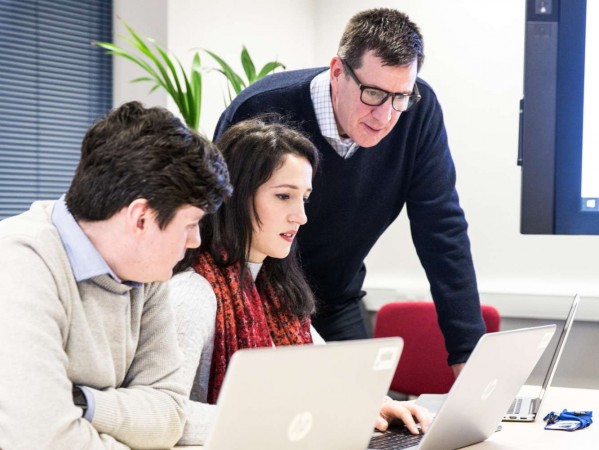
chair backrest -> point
(423, 365)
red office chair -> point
(423, 365)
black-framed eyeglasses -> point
(373, 96)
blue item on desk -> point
(568, 420)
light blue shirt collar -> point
(86, 261)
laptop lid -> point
(304, 397)
(557, 354)
(525, 408)
(493, 375)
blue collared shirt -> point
(86, 262)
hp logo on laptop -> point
(489, 389)
(300, 426)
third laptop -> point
(525, 409)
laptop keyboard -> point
(396, 439)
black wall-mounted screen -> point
(559, 122)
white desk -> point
(532, 435)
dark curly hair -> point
(135, 152)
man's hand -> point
(406, 412)
(457, 368)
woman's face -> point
(280, 208)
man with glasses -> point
(383, 142)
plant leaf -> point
(175, 93)
(196, 89)
(236, 81)
(116, 50)
(172, 69)
(268, 68)
(189, 115)
(142, 79)
(248, 65)
(163, 70)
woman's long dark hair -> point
(253, 150)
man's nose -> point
(384, 113)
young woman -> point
(246, 270)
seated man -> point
(88, 350)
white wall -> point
(147, 18)
(281, 30)
(474, 60)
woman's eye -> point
(282, 196)
(306, 199)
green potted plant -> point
(236, 82)
(166, 71)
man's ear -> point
(139, 214)
(336, 67)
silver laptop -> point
(493, 375)
(304, 397)
(525, 409)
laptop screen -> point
(560, 345)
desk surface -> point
(532, 435)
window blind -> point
(53, 85)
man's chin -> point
(370, 142)
(370, 137)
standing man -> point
(381, 134)
(88, 350)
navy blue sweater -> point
(356, 199)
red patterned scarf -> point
(245, 318)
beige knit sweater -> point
(55, 332)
